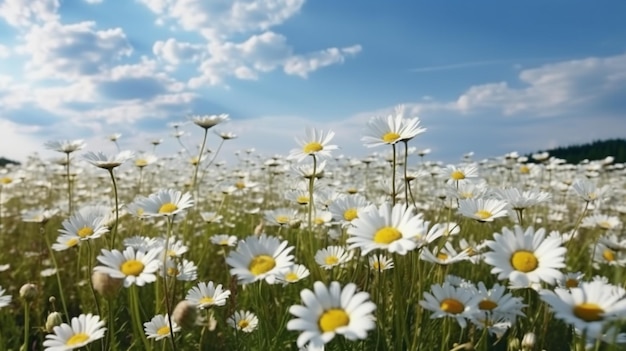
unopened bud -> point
(29, 292)
(106, 285)
(528, 342)
(185, 314)
(54, 319)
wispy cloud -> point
(472, 64)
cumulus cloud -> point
(4, 51)
(302, 65)
(24, 13)
(175, 52)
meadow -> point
(310, 251)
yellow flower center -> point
(442, 256)
(330, 260)
(588, 311)
(85, 232)
(291, 277)
(171, 253)
(571, 283)
(452, 306)
(457, 175)
(524, 261)
(207, 300)
(282, 219)
(243, 324)
(194, 160)
(261, 264)
(319, 221)
(350, 214)
(6, 180)
(141, 163)
(172, 271)
(167, 207)
(605, 225)
(487, 305)
(483, 214)
(524, 169)
(240, 185)
(333, 319)
(466, 195)
(377, 266)
(391, 137)
(77, 339)
(608, 255)
(302, 200)
(72, 242)
(312, 147)
(387, 235)
(224, 242)
(132, 267)
(164, 330)
(352, 191)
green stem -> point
(136, 316)
(168, 303)
(117, 209)
(69, 182)
(393, 176)
(58, 275)
(195, 173)
(26, 324)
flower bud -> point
(54, 319)
(528, 341)
(106, 285)
(185, 314)
(29, 292)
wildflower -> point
(83, 330)
(460, 173)
(5, 300)
(391, 129)
(244, 321)
(447, 300)
(84, 227)
(444, 256)
(380, 263)
(520, 200)
(294, 274)
(103, 161)
(205, 295)
(483, 210)
(135, 267)
(224, 240)
(65, 146)
(496, 303)
(346, 207)
(159, 327)
(315, 143)
(525, 256)
(331, 310)
(185, 314)
(258, 258)
(332, 256)
(104, 284)
(144, 160)
(588, 191)
(163, 203)
(29, 292)
(209, 121)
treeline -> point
(5, 161)
(596, 150)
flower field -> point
(312, 250)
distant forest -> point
(596, 150)
(5, 161)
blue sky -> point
(485, 76)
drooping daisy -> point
(447, 300)
(483, 210)
(525, 256)
(166, 202)
(159, 327)
(294, 274)
(388, 228)
(5, 300)
(135, 267)
(244, 321)
(258, 258)
(391, 129)
(332, 256)
(444, 256)
(589, 307)
(209, 121)
(205, 295)
(65, 146)
(83, 330)
(315, 143)
(331, 310)
(107, 162)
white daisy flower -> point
(103, 161)
(379, 263)
(224, 240)
(457, 174)
(258, 258)
(332, 256)
(135, 267)
(588, 191)
(388, 228)
(391, 129)
(483, 210)
(65, 146)
(166, 202)
(445, 255)
(182, 270)
(520, 200)
(294, 274)
(65, 242)
(244, 321)
(205, 295)
(589, 307)
(83, 330)
(447, 300)
(208, 121)
(5, 300)
(496, 303)
(315, 143)
(84, 227)
(159, 327)
(525, 256)
(328, 311)
(346, 207)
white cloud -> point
(73, 50)
(302, 65)
(4, 51)
(175, 52)
(24, 13)
(16, 134)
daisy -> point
(456, 174)
(525, 256)
(5, 300)
(91, 226)
(244, 321)
(65, 146)
(391, 129)
(590, 307)
(601, 221)
(224, 240)
(346, 207)
(444, 256)
(520, 200)
(163, 203)
(135, 267)
(208, 121)
(315, 144)
(447, 300)
(588, 191)
(103, 161)
(38, 215)
(211, 217)
(144, 160)
(483, 210)
(159, 328)
(496, 303)
(83, 330)
(281, 216)
(258, 258)
(65, 242)
(380, 263)
(205, 295)
(332, 256)
(183, 270)
(294, 274)
(388, 228)
(331, 310)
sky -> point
(483, 76)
